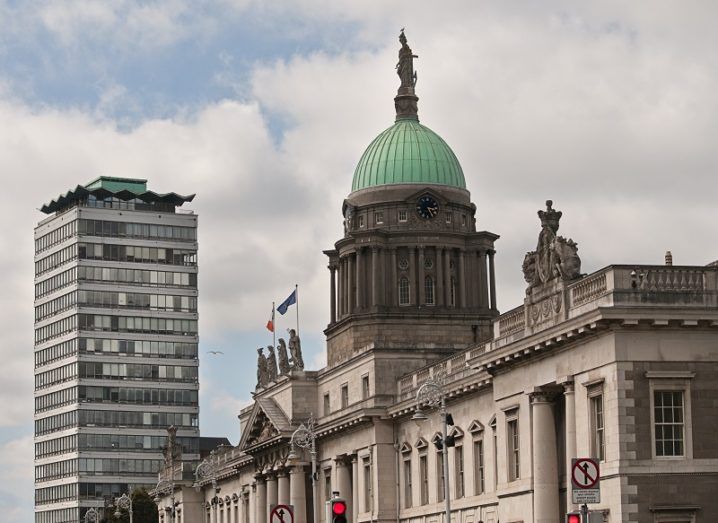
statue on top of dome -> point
(405, 66)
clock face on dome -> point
(427, 207)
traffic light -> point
(338, 510)
(573, 517)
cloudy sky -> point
(264, 108)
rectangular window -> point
(361, 221)
(367, 485)
(379, 218)
(365, 386)
(463, 220)
(598, 442)
(345, 396)
(668, 415)
(407, 483)
(403, 291)
(479, 472)
(440, 475)
(327, 405)
(448, 217)
(512, 440)
(402, 216)
(459, 471)
(424, 476)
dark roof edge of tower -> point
(122, 188)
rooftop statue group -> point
(270, 367)
(555, 256)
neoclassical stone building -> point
(620, 365)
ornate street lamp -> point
(91, 516)
(305, 437)
(207, 470)
(432, 393)
(124, 502)
(166, 487)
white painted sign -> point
(281, 514)
(585, 476)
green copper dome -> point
(408, 152)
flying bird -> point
(215, 352)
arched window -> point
(403, 291)
(429, 290)
(453, 292)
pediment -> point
(421, 443)
(405, 448)
(456, 432)
(266, 422)
(438, 437)
(475, 427)
(426, 191)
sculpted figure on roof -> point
(284, 367)
(262, 370)
(405, 67)
(555, 256)
(295, 349)
(271, 364)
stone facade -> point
(620, 365)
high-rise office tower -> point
(115, 343)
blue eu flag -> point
(291, 300)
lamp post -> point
(432, 393)
(124, 502)
(165, 487)
(207, 470)
(91, 516)
(305, 437)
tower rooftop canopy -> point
(110, 186)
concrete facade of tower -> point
(116, 337)
(436, 407)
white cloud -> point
(605, 108)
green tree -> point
(144, 510)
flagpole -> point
(296, 290)
(274, 328)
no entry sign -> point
(585, 476)
(281, 514)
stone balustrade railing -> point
(445, 372)
(616, 285)
(512, 321)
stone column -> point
(352, 268)
(342, 292)
(483, 288)
(260, 505)
(283, 487)
(358, 272)
(375, 276)
(394, 293)
(412, 276)
(272, 491)
(447, 276)
(297, 493)
(355, 488)
(545, 463)
(252, 504)
(570, 422)
(420, 278)
(332, 294)
(344, 480)
(439, 278)
(461, 282)
(492, 280)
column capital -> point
(569, 387)
(542, 396)
(343, 459)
